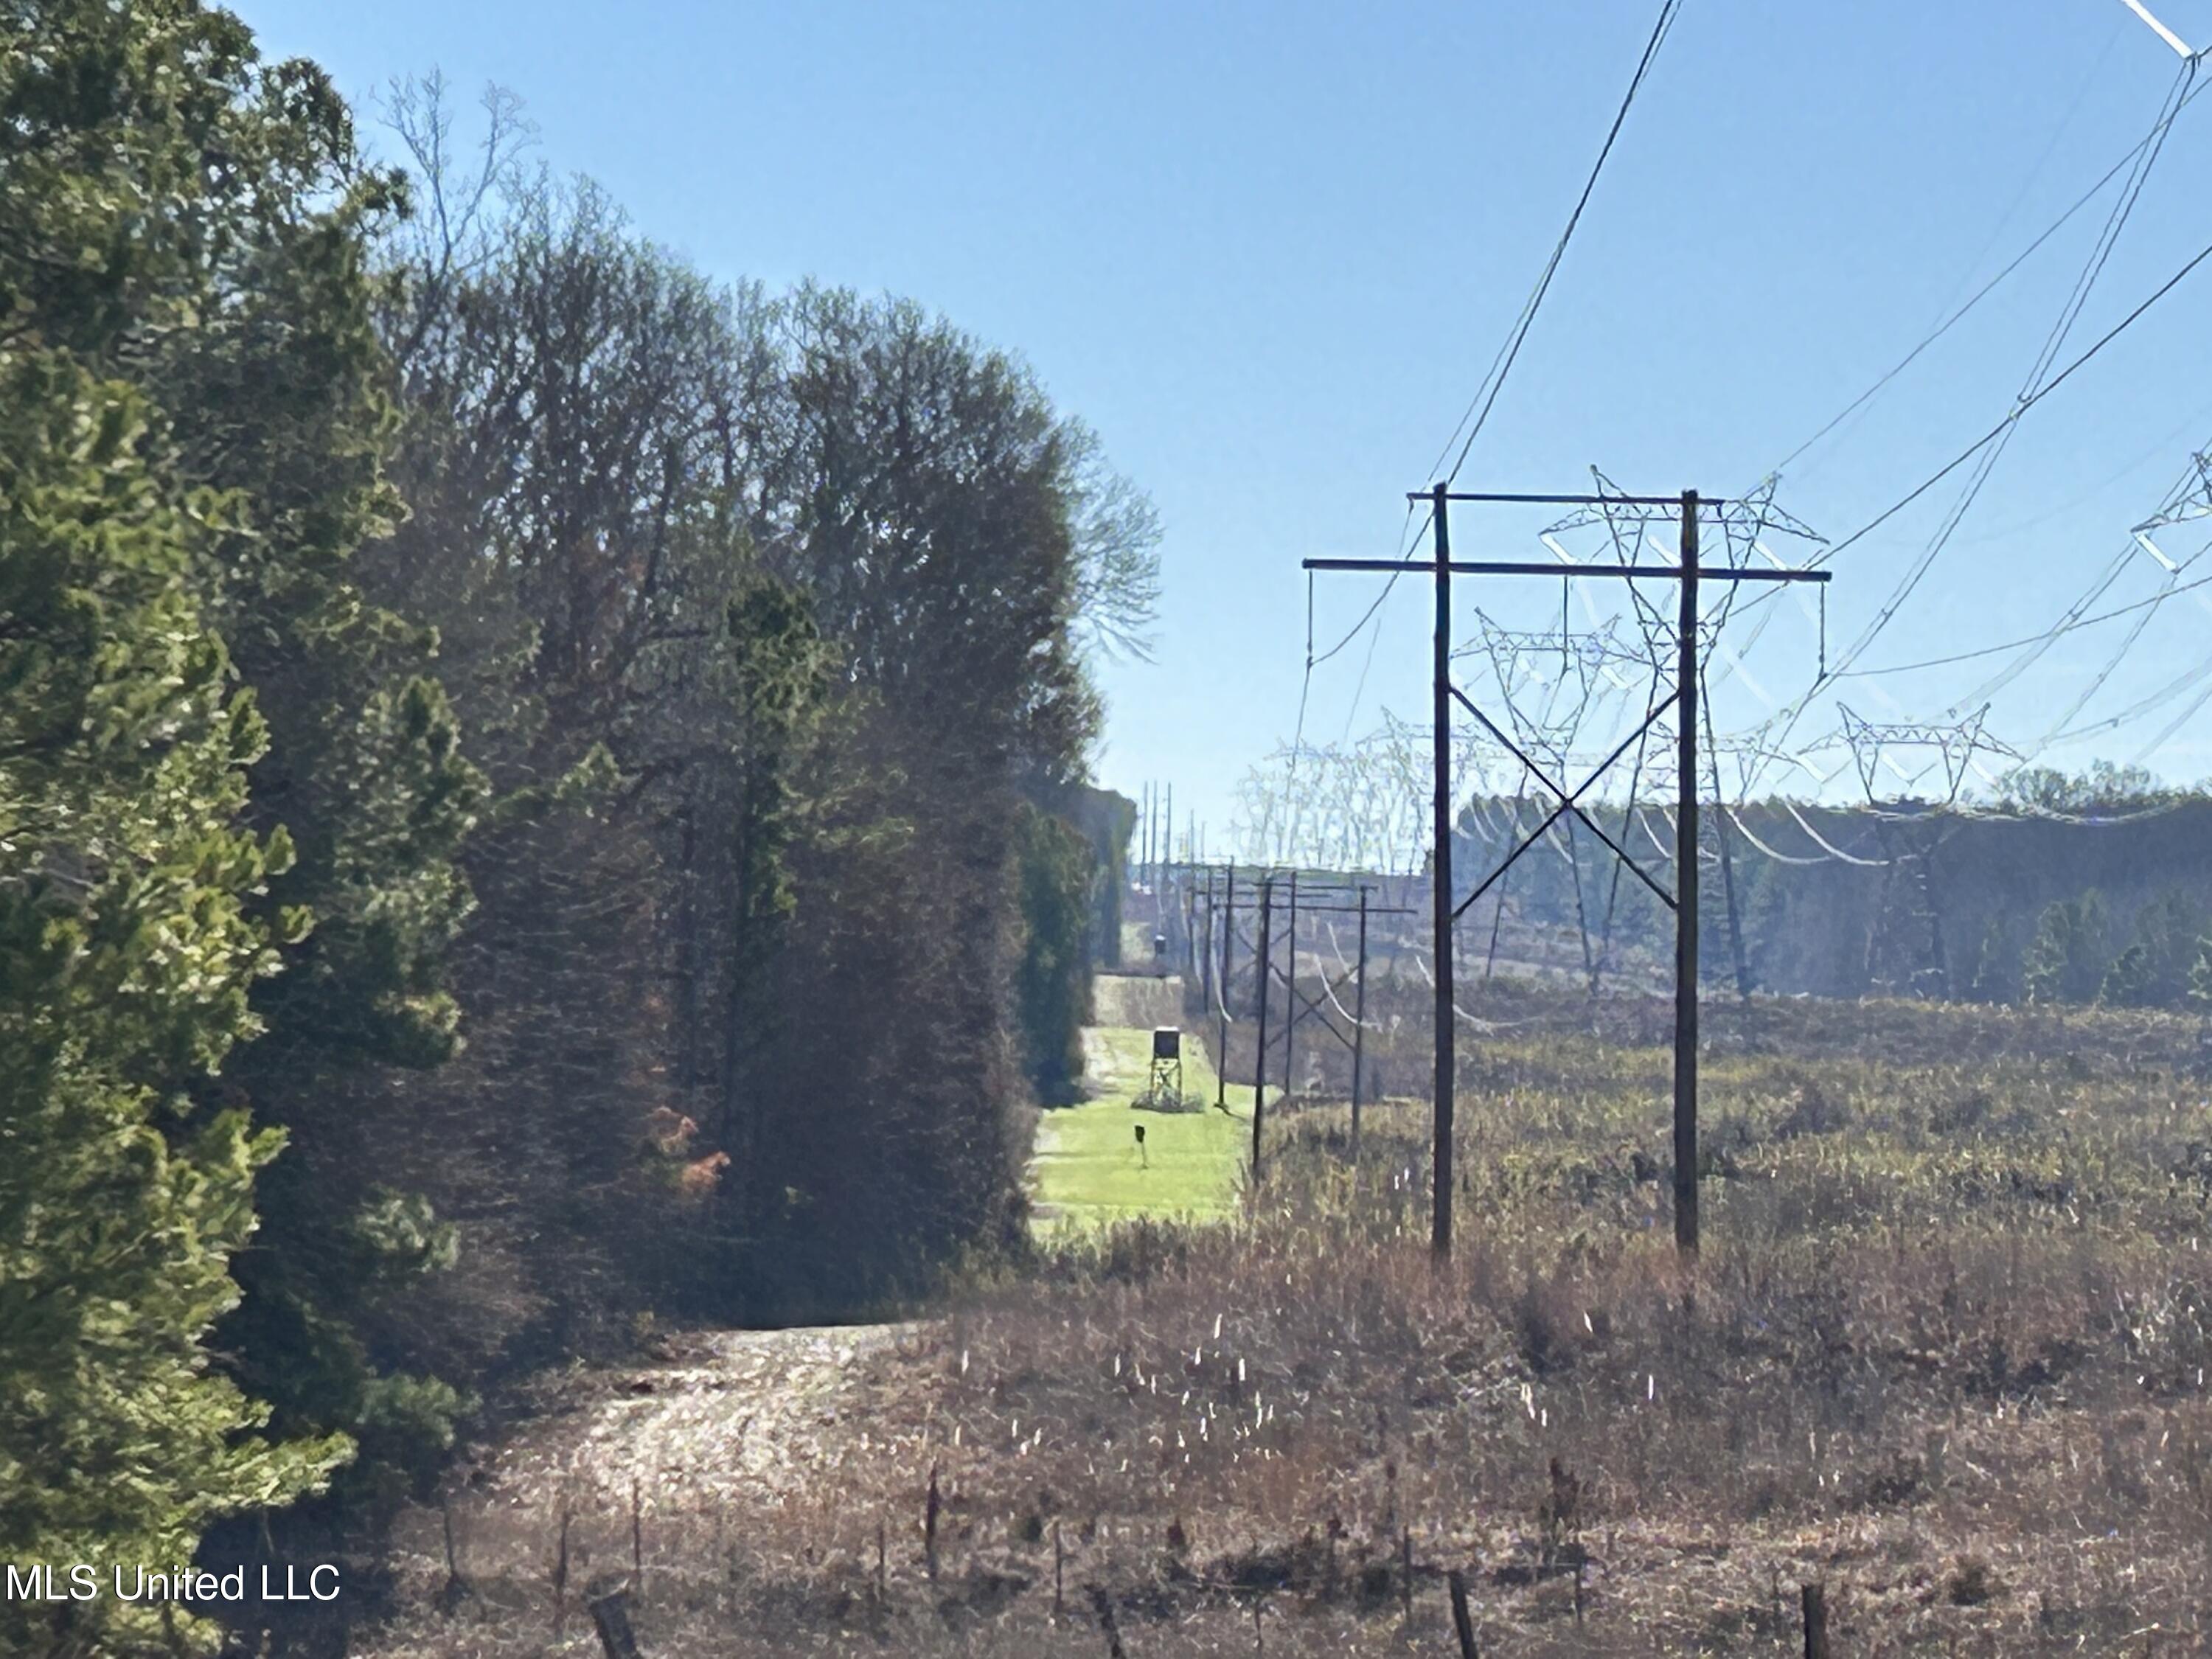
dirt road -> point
(735, 1435)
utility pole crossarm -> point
(1689, 576)
(1558, 500)
(1532, 567)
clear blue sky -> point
(1268, 250)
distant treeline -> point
(2095, 887)
(535, 787)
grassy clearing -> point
(1088, 1172)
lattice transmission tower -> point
(1907, 949)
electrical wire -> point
(2180, 493)
(1960, 460)
(1736, 818)
(2088, 692)
(1495, 381)
(2032, 388)
(1825, 846)
(2157, 134)
(2046, 636)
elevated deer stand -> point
(1166, 1083)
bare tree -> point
(1117, 538)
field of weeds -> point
(1945, 1353)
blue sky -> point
(1268, 250)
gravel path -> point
(740, 1411)
(729, 1433)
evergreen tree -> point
(1053, 983)
(2153, 971)
(2199, 991)
(185, 218)
(129, 937)
(2064, 961)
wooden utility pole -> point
(1683, 902)
(1260, 1045)
(1167, 854)
(1190, 949)
(1145, 854)
(1359, 1023)
(1221, 996)
(1290, 999)
(1685, 890)
(1204, 948)
(1440, 881)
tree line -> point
(2068, 889)
(536, 788)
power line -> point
(1967, 454)
(1983, 292)
(1351, 633)
(2025, 404)
(1503, 366)
(2068, 314)
(2176, 502)
(2154, 136)
(2048, 633)
(1494, 382)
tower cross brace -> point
(1683, 901)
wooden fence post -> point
(456, 1589)
(1462, 1620)
(611, 1617)
(1816, 1621)
(929, 1509)
(560, 1578)
(1104, 1608)
(637, 1535)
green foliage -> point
(2153, 971)
(716, 774)
(308, 1355)
(779, 675)
(2065, 959)
(2104, 788)
(2200, 976)
(1985, 977)
(2128, 982)
(128, 945)
(184, 217)
(398, 1236)
(377, 837)
(1053, 983)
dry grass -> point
(1945, 1352)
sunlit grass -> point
(1089, 1170)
